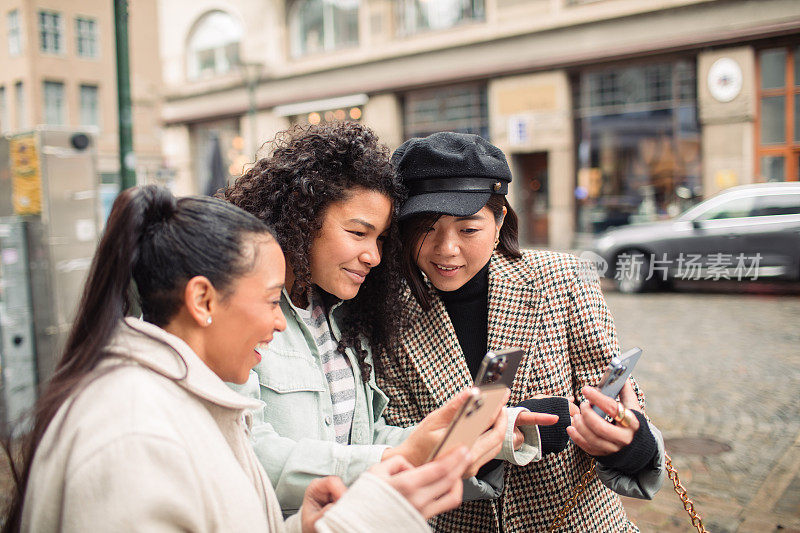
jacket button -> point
(329, 420)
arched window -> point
(214, 45)
(415, 16)
(323, 25)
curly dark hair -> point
(308, 168)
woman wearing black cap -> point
(471, 288)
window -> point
(777, 204)
(90, 113)
(19, 106)
(323, 25)
(778, 123)
(638, 140)
(214, 45)
(86, 37)
(460, 108)
(4, 125)
(736, 208)
(414, 16)
(14, 34)
(54, 103)
(50, 32)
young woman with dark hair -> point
(470, 289)
(137, 429)
(331, 195)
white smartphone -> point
(473, 419)
(617, 373)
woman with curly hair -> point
(330, 193)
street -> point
(721, 372)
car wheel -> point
(633, 275)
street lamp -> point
(251, 73)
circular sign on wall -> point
(725, 79)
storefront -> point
(637, 143)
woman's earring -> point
(496, 242)
(208, 321)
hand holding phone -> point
(475, 416)
(617, 373)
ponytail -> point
(160, 243)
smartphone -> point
(473, 419)
(499, 367)
(617, 373)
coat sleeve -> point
(372, 505)
(592, 339)
(643, 484)
(139, 482)
(291, 465)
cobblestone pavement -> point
(721, 371)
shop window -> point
(638, 144)
(317, 26)
(339, 114)
(461, 108)
(217, 152)
(414, 16)
(778, 131)
(214, 46)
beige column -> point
(727, 126)
(383, 114)
(533, 113)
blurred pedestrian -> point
(471, 288)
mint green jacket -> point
(293, 433)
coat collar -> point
(154, 348)
(514, 308)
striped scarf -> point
(335, 365)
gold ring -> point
(627, 418)
(620, 413)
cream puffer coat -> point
(157, 442)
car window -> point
(736, 208)
(777, 204)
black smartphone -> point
(617, 372)
(499, 367)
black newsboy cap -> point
(450, 173)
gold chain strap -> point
(688, 504)
(576, 492)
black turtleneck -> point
(468, 307)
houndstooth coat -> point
(550, 305)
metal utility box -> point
(18, 378)
(49, 184)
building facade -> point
(611, 111)
(59, 69)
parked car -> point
(745, 232)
